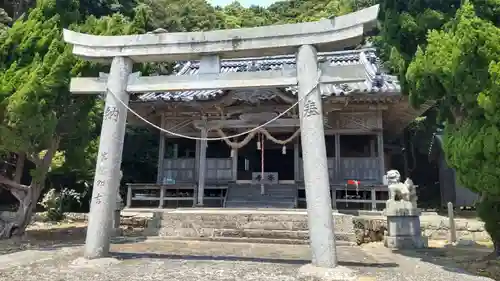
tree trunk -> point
(26, 209)
(18, 175)
(27, 195)
(489, 212)
(17, 224)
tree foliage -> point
(404, 27)
(453, 58)
(39, 116)
(198, 15)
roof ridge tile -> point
(376, 82)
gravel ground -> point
(207, 261)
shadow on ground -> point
(61, 236)
(471, 260)
(127, 256)
(44, 239)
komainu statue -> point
(401, 191)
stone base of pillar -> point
(116, 232)
(403, 226)
(408, 242)
(310, 272)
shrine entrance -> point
(274, 161)
(277, 162)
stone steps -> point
(259, 204)
(249, 196)
(245, 240)
(269, 241)
(291, 227)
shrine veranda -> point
(234, 82)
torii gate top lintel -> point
(327, 35)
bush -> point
(56, 203)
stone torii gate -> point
(304, 39)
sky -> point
(244, 3)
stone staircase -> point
(254, 226)
(277, 196)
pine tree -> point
(460, 68)
(39, 117)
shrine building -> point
(263, 168)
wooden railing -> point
(183, 195)
(174, 194)
(371, 197)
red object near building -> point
(353, 182)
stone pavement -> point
(194, 261)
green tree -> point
(460, 68)
(199, 15)
(404, 27)
(181, 16)
(39, 116)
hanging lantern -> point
(258, 142)
(232, 153)
(283, 150)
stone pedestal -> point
(403, 226)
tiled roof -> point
(376, 81)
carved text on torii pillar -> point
(111, 113)
(310, 109)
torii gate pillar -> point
(109, 159)
(319, 206)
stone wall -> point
(437, 228)
(366, 228)
(247, 224)
(371, 229)
(129, 219)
